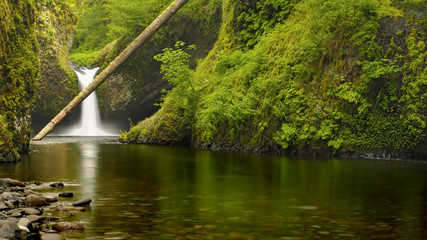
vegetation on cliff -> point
(19, 66)
(334, 75)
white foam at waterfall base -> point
(89, 123)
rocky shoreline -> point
(22, 208)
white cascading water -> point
(90, 120)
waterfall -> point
(89, 123)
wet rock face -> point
(22, 207)
(398, 29)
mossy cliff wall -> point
(55, 26)
(329, 77)
(19, 65)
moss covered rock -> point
(57, 85)
(19, 65)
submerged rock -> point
(70, 209)
(67, 227)
(51, 236)
(57, 185)
(66, 195)
(82, 202)
(50, 199)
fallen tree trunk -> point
(144, 36)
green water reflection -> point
(158, 192)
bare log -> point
(144, 36)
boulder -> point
(9, 182)
(33, 200)
(67, 227)
(8, 229)
(82, 202)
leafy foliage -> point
(258, 17)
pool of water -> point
(162, 192)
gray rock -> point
(13, 220)
(24, 222)
(66, 194)
(25, 229)
(35, 218)
(35, 201)
(31, 211)
(82, 202)
(9, 204)
(8, 230)
(16, 213)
